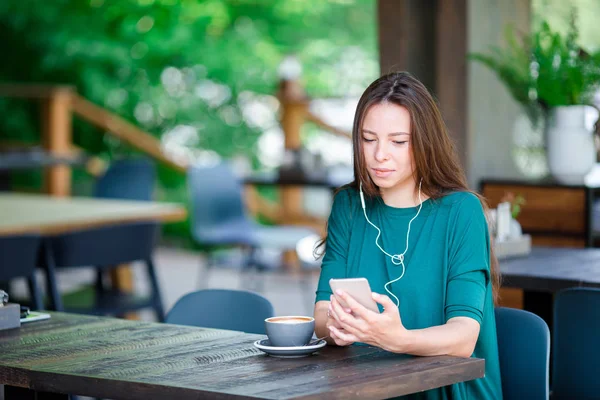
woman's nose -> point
(381, 152)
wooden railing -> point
(59, 105)
(124, 131)
(295, 112)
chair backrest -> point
(129, 179)
(524, 351)
(222, 309)
(576, 344)
(105, 246)
(216, 199)
(18, 256)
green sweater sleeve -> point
(336, 248)
(469, 259)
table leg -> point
(19, 393)
(122, 278)
(4, 181)
(291, 202)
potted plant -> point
(555, 80)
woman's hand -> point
(333, 323)
(358, 324)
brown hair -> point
(436, 162)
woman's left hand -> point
(383, 330)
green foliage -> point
(515, 206)
(164, 64)
(118, 53)
(545, 69)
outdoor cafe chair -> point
(576, 344)
(107, 247)
(18, 256)
(127, 179)
(219, 218)
(524, 352)
(236, 310)
(104, 247)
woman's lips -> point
(382, 172)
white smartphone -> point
(358, 288)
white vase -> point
(570, 141)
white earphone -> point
(397, 259)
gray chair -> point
(219, 218)
(104, 247)
(222, 309)
(109, 246)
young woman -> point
(409, 224)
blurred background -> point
(262, 85)
(200, 76)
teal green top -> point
(447, 269)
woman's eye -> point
(402, 142)
(368, 140)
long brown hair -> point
(436, 162)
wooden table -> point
(46, 215)
(120, 359)
(29, 213)
(547, 270)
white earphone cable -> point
(397, 259)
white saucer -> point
(288, 352)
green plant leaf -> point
(544, 69)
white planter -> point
(570, 142)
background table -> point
(121, 359)
(547, 270)
(46, 215)
(29, 213)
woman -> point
(421, 236)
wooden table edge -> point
(103, 387)
(25, 378)
(474, 365)
(175, 215)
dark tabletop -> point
(121, 359)
(317, 180)
(23, 160)
(550, 269)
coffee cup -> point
(290, 331)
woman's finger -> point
(333, 336)
(386, 302)
(337, 311)
(343, 335)
(355, 307)
(333, 311)
(347, 321)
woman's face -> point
(386, 134)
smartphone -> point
(358, 288)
